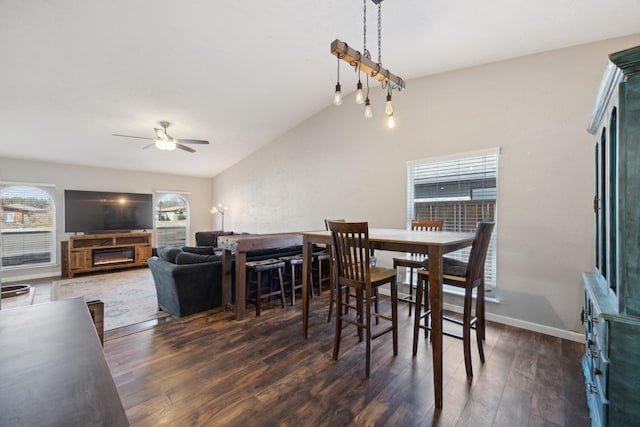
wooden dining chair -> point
(351, 252)
(332, 296)
(468, 276)
(414, 261)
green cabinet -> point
(611, 316)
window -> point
(461, 191)
(27, 226)
(171, 220)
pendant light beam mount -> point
(353, 57)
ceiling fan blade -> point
(131, 136)
(192, 141)
(185, 148)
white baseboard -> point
(517, 323)
(523, 324)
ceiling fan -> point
(164, 141)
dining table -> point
(434, 244)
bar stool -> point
(353, 271)
(468, 276)
(254, 277)
(293, 275)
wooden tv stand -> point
(99, 252)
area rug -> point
(129, 296)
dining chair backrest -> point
(326, 222)
(351, 250)
(478, 254)
(426, 225)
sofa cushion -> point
(191, 258)
(168, 253)
(450, 266)
(201, 250)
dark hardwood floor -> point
(208, 370)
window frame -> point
(49, 191)
(493, 154)
(158, 196)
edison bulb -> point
(388, 108)
(368, 113)
(337, 96)
(359, 93)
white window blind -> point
(27, 226)
(460, 190)
(171, 220)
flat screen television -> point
(102, 211)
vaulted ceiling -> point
(237, 73)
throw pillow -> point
(190, 258)
(168, 253)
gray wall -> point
(339, 165)
(91, 178)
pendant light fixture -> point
(359, 94)
(362, 63)
(388, 108)
(368, 112)
(337, 96)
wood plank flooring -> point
(209, 370)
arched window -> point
(171, 220)
(27, 225)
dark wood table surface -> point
(432, 243)
(53, 371)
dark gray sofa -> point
(188, 282)
(186, 286)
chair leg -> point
(282, 294)
(417, 314)
(394, 314)
(427, 307)
(367, 311)
(258, 296)
(466, 332)
(374, 293)
(411, 288)
(332, 294)
(480, 327)
(338, 333)
(293, 285)
(359, 311)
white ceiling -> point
(237, 73)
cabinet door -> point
(143, 253)
(80, 260)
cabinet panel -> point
(80, 260)
(611, 363)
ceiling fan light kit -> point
(362, 63)
(166, 142)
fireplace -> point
(109, 256)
